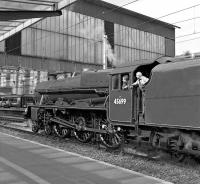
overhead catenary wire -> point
(169, 14)
(88, 18)
(178, 11)
(104, 13)
(186, 20)
(188, 40)
(181, 36)
(144, 21)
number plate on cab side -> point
(120, 101)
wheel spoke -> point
(112, 138)
(111, 141)
(83, 136)
(62, 132)
(79, 133)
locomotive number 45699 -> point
(120, 101)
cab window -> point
(125, 81)
(115, 82)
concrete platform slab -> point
(48, 165)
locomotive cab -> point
(126, 103)
(121, 96)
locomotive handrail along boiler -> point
(94, 105)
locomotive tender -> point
(94, 105)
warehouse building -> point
(75, 40)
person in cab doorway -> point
(141, 82)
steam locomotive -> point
(93, 105)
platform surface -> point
(26, 162)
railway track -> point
(131, 147)
(11, 118)
(127, 149)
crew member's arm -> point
(136, 83)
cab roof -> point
(131, 68)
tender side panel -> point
(181, 111)
(173, 95)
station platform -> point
(26, 162)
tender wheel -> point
(61, 131)
(180, 157)
(80, 133)
(176, 144)
(154, 140)
(112, 139)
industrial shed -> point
(73, 40)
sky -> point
(188, 35)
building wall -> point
(78, 38)
(2, 46)
(132, 45)
(43, 64)
(57, 37)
